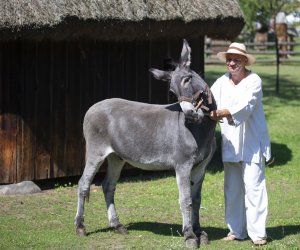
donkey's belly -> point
(152, 167)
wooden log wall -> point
(46, 87)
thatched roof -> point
(119, 19)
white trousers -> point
(246, 199)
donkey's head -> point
(185, 83)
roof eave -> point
(115, 30)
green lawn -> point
(148, 204)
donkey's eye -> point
(186, 79)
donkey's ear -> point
(160, 74)
(185, 59)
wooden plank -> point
(120, 81)
(143, 77)
(51, 99)
(98, 72)
(116, 70)
(129, 69)
(88, 95)
(106, 68)
(73, 125)
(8, 116)
(93, 71)
(85, 81)
(7, 125)
(8, 131)
(42, 123)
(58, 51)
(159, 53)
(25, 136)
(197, 47)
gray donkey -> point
(153, 137)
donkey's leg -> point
(183, 182)
(93, 162)
(115, 165)
(197, 177)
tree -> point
(263, 11)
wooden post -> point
(277, 64)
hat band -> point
(240, 50)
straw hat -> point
(239, 49)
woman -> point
(245, 145)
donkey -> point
(153, 137)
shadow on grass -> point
(279, 232)
(166, 229)
(214, 233)
(280, 153)
(157, 228)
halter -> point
(197, 99)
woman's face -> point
(236, 63)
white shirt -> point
(246, 137)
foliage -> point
(263, 11)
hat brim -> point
(222, 57)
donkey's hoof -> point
(80, 231)
(191, 243)
(120, 229)
(203, 238)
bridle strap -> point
(196, 100)
(192, 99)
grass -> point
(148, 204)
